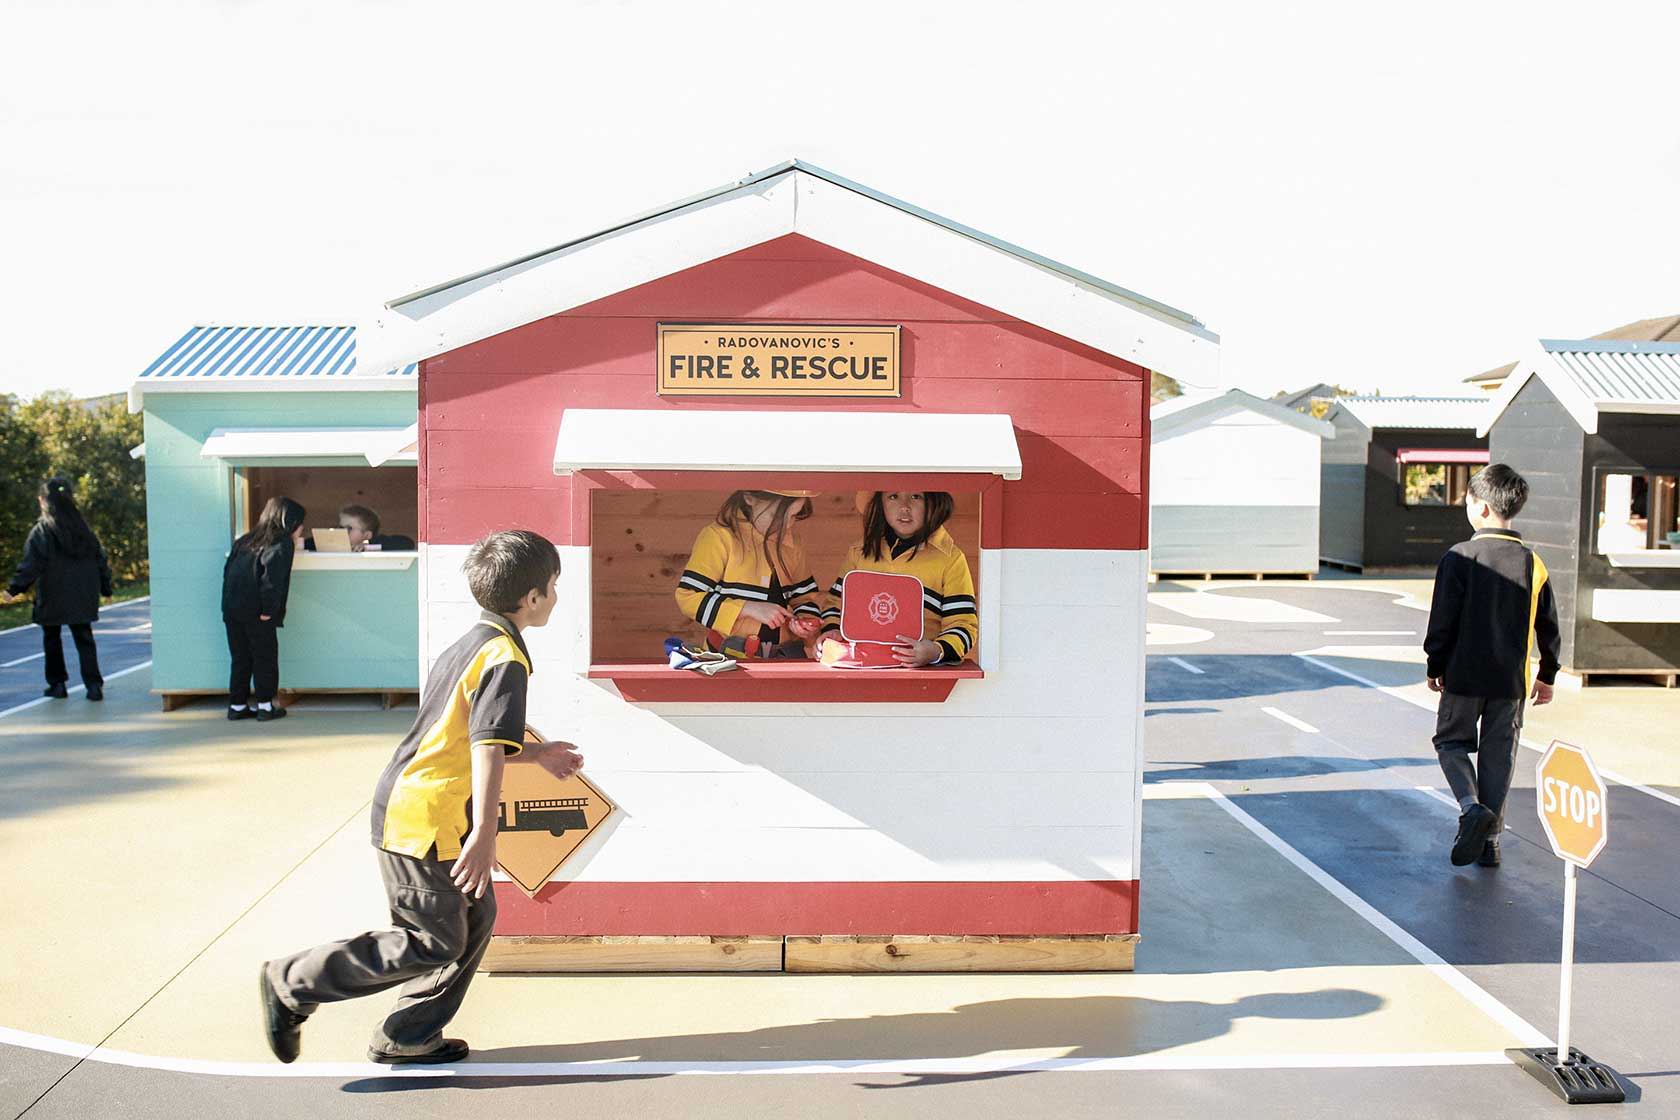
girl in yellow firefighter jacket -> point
(904, 533)
(747, 580)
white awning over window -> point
(593, 439)
(375, 446)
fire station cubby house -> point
(980, 813)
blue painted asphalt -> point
(123, 634)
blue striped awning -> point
(240, 353)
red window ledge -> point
(785, 682)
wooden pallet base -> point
(830, 954)
(180, 697)
(1587, 678)
(633, 954)
(1155, 577)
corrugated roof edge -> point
(792, 165)
(1608, 346)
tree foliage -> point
(1163, 388)
(88, 442)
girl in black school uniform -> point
(255, 581)
(63, 560)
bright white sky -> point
(1386, 202)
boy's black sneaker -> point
(445, 1052)
(1473, 829)
(266, 714)
(1490, 854)
(95, 692)
(280, 1023)
(56, 691)
(241, 713)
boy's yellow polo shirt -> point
(475, 695)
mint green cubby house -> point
(234, 415)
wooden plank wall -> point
(642, 540)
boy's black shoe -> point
(266, 714)
(280, 1022)
(95, 692)
(447, 1051)
(1490, 854)
(241, 713)
(56, 691)
(1473, 829)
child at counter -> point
(904, 533)
(255, 583)
(747, 580)
(363, 526)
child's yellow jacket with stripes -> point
(951, 614)
(728, 569)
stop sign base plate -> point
(1579, 1081)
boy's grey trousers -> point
(1456, 739)
(439, 937)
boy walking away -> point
(1492, 606)
(434, 825)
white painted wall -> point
(1030, 774)
(1238, 458)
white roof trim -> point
(1171, 415)
(610, 439)
(1539, 364)
(138, 451)
(396, 448)
(237, 445)
(387, 383)
(821, 207)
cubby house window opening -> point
(1636, 511)
(1435, 484)
(389, 491)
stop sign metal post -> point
(1574, 811)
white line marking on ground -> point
(1429, 706)
(1370, 633)
(36, 703)
(1439, 795)
(1186, 666)
(1424, 955)
(1297, 724)
(980, 1063)
(111, 607)
(21, 660)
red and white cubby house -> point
(999, 797)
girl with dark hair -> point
(63, 560)
(255, 582)
(904, 533)
(747, 580)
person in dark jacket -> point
(64, 562)
(1493, 606)
(363, 526)
(255, 583)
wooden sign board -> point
(787, 360)
(542, 820)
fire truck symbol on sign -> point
(542, 820)
(883, 608)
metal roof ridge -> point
(1606, 346)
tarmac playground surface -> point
(1306, 948)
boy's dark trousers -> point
(1456, 739)
(439, 938)
(52, 644)
(255, 649)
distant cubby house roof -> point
(1590, 377)
(271, 357)
(1415, 412)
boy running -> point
(434, 825)
(1492, 605)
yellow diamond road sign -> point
(1574, 808)
(541, 820)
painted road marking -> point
(1297, 724)
(21, 660)
(104, 609)
(1185, 665)
(36, 703)
(1424, 955)
(1429, 706)
(1439, 795)
(1370, 633)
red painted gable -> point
(490, 411)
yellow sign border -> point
(894, 391)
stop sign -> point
(1573, 808)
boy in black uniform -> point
(1491, 594)
(434, 825)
